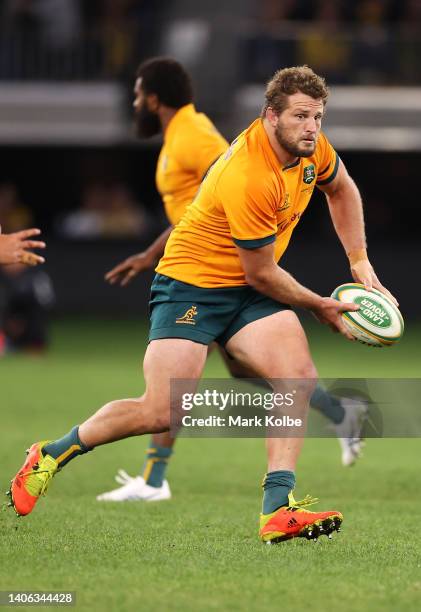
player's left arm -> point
(346, 211)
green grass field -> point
(199, 551)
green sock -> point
(276, 486)
(66, 448)
(327, 404)
(155, 465)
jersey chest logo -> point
(285, 204)
(309, 174)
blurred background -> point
(70, 164)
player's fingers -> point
(128, 277)
(30, 259)
(368, 283)
(340, 328)
(382, 289)
(347, 306)
(112, 277)
(33, 244)
(116, 271)
(28, 233)
(343, 330)
(334, 328)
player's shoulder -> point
(196, 132)
(242, 169)
(323, 150)
(197, 123)
(246, 151)
(323, 143)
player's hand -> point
(14, 248)
(329, 313)
(363, 272)
(129, 268)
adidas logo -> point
(292, 522)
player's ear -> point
(152, 102)
(271, 116)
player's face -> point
(298, 126)
(147, 122)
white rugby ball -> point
(378, 322)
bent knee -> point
(308, 371)
(153, 415)
(162, 422)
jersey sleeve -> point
(327, 161)
(197, 152)
(250, 209)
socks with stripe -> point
(66, 448)
(327, 404)
(276, 487)
(156, 464)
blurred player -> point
(26, 298)
(14, 248)
(220, 273)
(164, 103)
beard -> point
(297, 148)
(147, 123)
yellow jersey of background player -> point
(164, 103)
(191, 145)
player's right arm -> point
(125, 271)
(263, 274)
(14, 248)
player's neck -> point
(285, 158)
(166, 113)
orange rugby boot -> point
(32, 480)
(293, 521)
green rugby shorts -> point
(204, 315)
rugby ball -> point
(378, 322)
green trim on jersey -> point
(256, 243)
(330, 178)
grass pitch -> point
(199, 551)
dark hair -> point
(289, 81)
(166, 78)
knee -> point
(153, 415)
(308, 371)
(306, 378)
(162, 421)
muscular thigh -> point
(168, 359)
(274, 347)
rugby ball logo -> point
(378, 322)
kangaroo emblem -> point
(188, 317)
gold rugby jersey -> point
(247, 199)
(191, 145)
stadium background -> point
(69, 163)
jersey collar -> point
(264, 139)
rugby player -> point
(164, 103)
(14, 248)
(219, 272)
